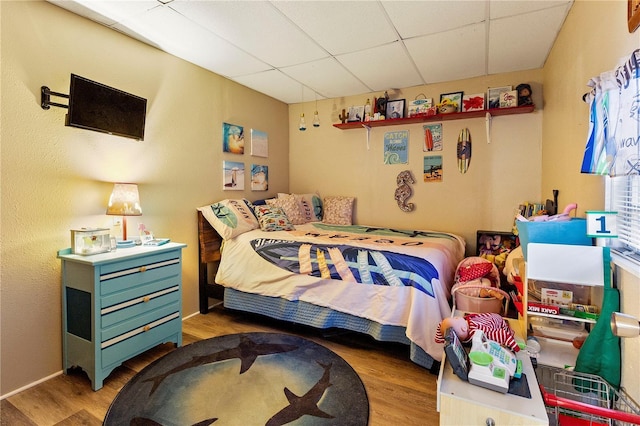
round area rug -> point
(244, 379)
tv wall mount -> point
(45, 98)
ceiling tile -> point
(275, 84)
(367, 65)
(415, 18)
(175, 34)
(256, 27)
(341, 26)
(515, 47)
(327, 77)
(503, 9)
(452, 55)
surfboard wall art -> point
(464, 150)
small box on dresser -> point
(119, 304)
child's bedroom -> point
(308, 212)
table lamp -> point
(124, 201)
(623, 325)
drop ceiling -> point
(298, 51)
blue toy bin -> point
(571, 232)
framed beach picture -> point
(432, 168)
(432, 137)
(232, 138)
(259, 177)
(454, 98)
(233, 175)
(395, 109)
(259, 143)
(493, 95)
(473, 102)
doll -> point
(524, 94)
(493, 325)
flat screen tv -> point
(94, 106)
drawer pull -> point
(147, 328)
(143, 268)
(146, 299)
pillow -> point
(338, 210)
(230, 218)
(310, 206)
(289, 204)
(272, 218)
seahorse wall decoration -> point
(404, 191)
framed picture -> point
(233, 175)
(356, 113)
(259, 143)
(259, 177)
(232, 138)
(395, 109)
(493, 95)
(432, 137)
(473, 102)
(509, 99)
(454, 98)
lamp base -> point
(126, 244)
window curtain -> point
(612, 146)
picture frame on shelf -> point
(356, 113)
(395, 109)
(509, 99)
(473, 102)
(493, 96)
(454, 98)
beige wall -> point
(57, 178)
(502, 174)
(593, 39)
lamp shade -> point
(124, 200)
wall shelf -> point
(525, 109)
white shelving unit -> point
(567, 266)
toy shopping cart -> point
(580, 399)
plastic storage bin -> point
(571, 232)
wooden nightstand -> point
(119, 304)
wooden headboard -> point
(209, 242)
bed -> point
(391, 284)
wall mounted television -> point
(95, 106)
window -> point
(623, 196)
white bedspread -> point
(419, 306)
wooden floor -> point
(400, 392)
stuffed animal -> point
(493, 325)
(524, 94)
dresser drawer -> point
(110, 335)
(139, 271)
(132, 292)
(137, 306)
(141, 339)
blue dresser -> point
(119, 304)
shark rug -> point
(244, 379)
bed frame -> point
(293, 311)
(209, 243)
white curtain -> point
(614, 113)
